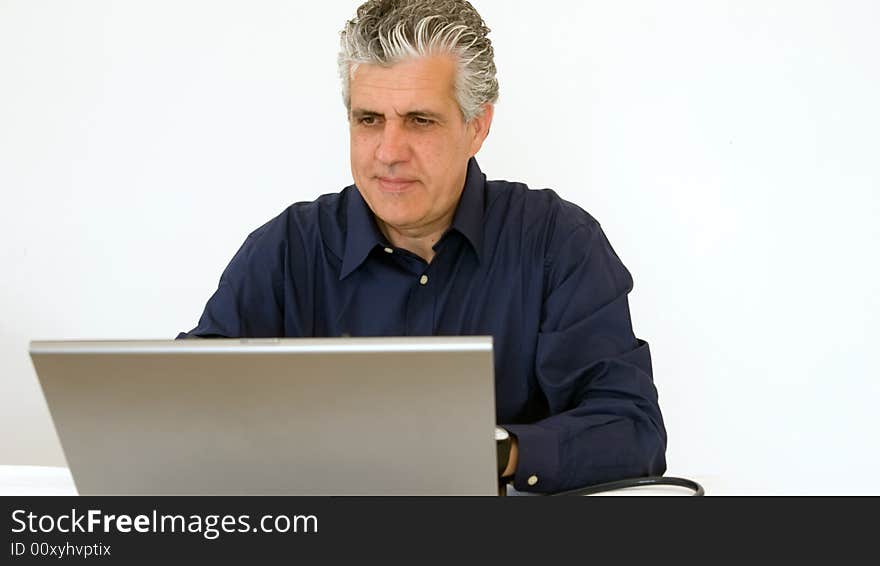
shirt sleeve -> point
(605, 422)
(248, 301)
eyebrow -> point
(362, 113)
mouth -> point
(395, 184)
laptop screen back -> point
(342, 416)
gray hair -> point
(385, 32)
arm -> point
(248, 301)
(605, 421)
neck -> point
(420, 240)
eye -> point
(422, 121)
(367, 120)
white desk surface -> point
(51, 480)
(36, 480)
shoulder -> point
(540, 216)
(304, 226)
(537, 205)
(557, 235)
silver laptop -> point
(341, 416)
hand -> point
(513, 459)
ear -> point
(479, 126)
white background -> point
(729, 149)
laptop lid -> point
(339, 416)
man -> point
(423, 244)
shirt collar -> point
(362, 233)
(468, 219)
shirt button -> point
(389, 251)
(423, 280)
(532, 480)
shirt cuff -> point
(537, 467)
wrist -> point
(512, 459)
(507, 452)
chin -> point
(400, 207)
(396, 218)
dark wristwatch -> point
(502, 442)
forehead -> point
(418, 82)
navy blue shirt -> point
(535, 272)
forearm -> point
(569, 451)
(614, 430)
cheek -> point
(438, 153)
(360, 147)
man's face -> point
(410, 144)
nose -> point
(393, 145)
